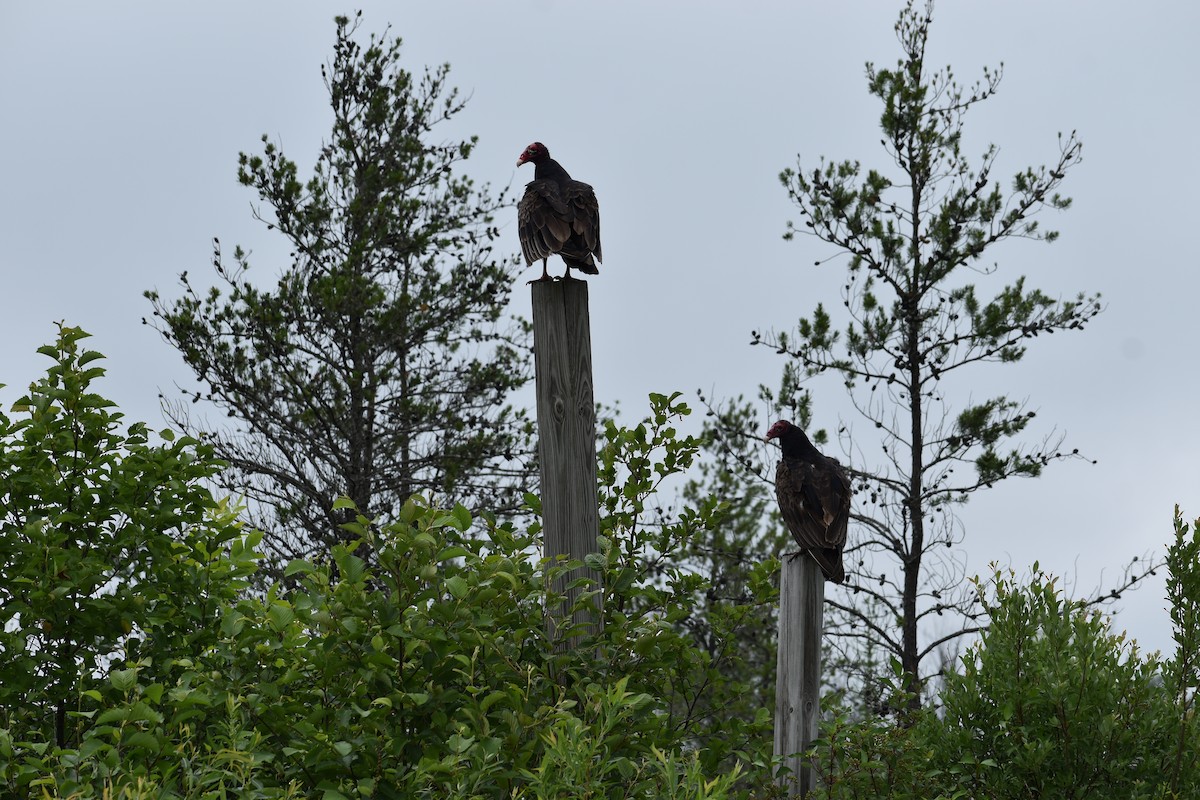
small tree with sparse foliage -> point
(915, 238)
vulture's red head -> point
(535, 152)
(779, 429)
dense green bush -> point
(1051, 702)
(111, 548)
(427, 674)
(429, 677)
(1058, 703)
(136, 661)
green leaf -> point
(109, 716)
(492, 699)
(123, 680)
(280, 616)
(458, 587)
(144, 740)
(298, 565)
(449, 553)
(462, 517)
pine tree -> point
(915, 236)
(382, 361)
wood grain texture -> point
(566, 415)
(798, 671)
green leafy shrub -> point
(425, 673)
(137, 663)
(1050, 702)
(430, 676)
(1064, 706)
(111, 548)
(1180, 762)
(653, 598)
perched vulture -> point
(557, 215)
(814, 498)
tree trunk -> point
(909, 658)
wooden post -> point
(798, 672)
(566, 413)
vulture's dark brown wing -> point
(585, 217)
(560, 219)
(814, 499)
(543, 220)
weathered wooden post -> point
(566, 412)
(798, 670)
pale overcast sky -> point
(122, 122)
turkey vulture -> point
(557, 215)
(814, 498)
